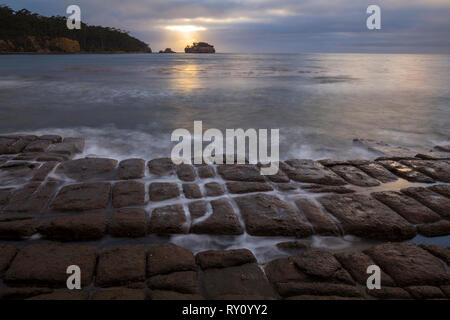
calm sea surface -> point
(127, 105)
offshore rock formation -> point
(200, 47)
(168, 50)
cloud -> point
(271, 25)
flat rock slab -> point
(443, 189)
(192, 191)
(37, 146)
(46, 264)
(17, 226)
(15, 144)
(7, 253)
(33, 196)
(17, 172)
(88, 169)
(205, 171)
(320, 221)
(160, 191)
(222, 221)
(317, 188)
(442, 253)
(128, 223)
(355, 176)
(407, 207)
(310, 171)
(169, 258)
(161, 167)
(80, 227)
(224, 258)
(44, 170)
(240, 172)
(119, 294)
(82, 197)
(197, 209)
(247, 279)
(131, 169)
(356, 263)
(62, 295)
(247, 187)
(186, 172)
(121, 266)
(168, 220)
(267, 215)
(435, 229)
(183, 282)
(389, 293)
(128, 194)
(409, 265)
(322, 264)
(291, 289)
(438, 170)
(405, 172)
(213, 189)
(284, 270)
(363, 216)
(425, 292)
(377, 171)
(432, 200)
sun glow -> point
(186, 28)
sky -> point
(268, 26)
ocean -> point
(127, 105)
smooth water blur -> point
(127, 105)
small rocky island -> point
(200, 47)
(168, 50)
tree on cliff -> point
(18, 25)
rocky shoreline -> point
(57, 210)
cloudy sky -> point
(411, 26)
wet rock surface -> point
(128, 194)
(81, 197)
(310, 171)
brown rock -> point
(131, 169)
(160, 191)
(315, 188)
(168, 220)
(32, 197)
(288, 289)
(443, 189)
(407, 207)
(247, 187)
(426, 292)
(16, 226)
(267, 215)
(88, 169)
(185, 172)
(82, 197)
(377, 171)
(355, 176)
(205, 172)
(7, 253)
(37, 146)
(44, 170)
(120, 266)
(240, 172)
(63, 295)
(81, 227)
(310, 171)
(128, 223)
(169, 258)
(161, 167)
(183, 282)
(409, 264)
(173, 295)
(438, 251)
(284, 270)
(53, 138)
(320, 221)
(119, 294)
(46, 264)
(22, 293)
(432, 200)
(192, 191)
(436, 229)
(224, 258)
(247, 279)
(223, 220)
(128, 194)
(321, 263)
(438, 170)
(405, 172)
(389, 293)
(197, 209)
(15, 144)
(356, 263)
(286, 186)
(365, 217)
(213, 189)
(5, 195)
